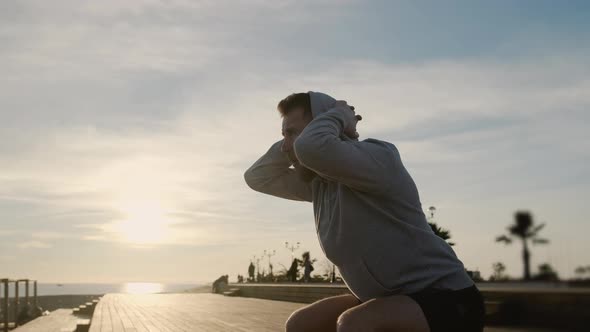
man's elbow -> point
(255, 181)
(250, 179)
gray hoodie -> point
(368, 215)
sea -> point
(95, 289)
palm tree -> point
(546, 272)
(444, 234)
(524, 229)
(581, 270)
(498, 274)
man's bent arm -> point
(271, 174)
(363, 165)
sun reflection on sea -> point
(142, 288)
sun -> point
(142, 194)
(144, 223)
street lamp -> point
(292, 248)
(431, 210)
(257, 260)
(269, 254)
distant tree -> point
(498, 274)
(546, 272)
(325, 269)
(525, 230)
(581, 271)
(281, 274)
(439, 231)
(474, 275)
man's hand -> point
(351, 118)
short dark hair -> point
(293, 101)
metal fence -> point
(15, 305)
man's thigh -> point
(392, 313)
(320, 315)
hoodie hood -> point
(320, 103)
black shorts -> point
(461, 310)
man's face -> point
(293, 124)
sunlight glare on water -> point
(143, 288)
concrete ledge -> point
(290, 292)
(564, 308)
(556, 308)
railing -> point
(6, 297)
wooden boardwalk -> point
(57, 321)
(199, 312)
(189, 312)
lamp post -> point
(431, 210)
(257, 260)
(269, 254)
(292, 248)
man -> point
(293, 270)
(251, 269)
(369, 222)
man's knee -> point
(320, 315)
(297, 321)
(373, 315)
(349, 321)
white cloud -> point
(6, 232)
(48, 235)
(34, 245)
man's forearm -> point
(317, 143)
(271, 174)
(273, 163)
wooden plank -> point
(57, 321)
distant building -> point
(474, 275)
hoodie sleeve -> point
(271, 174)
(365, 166)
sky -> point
(126, 127)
